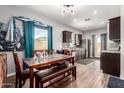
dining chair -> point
(3, 69)
(37, 52)
(49, 51)
(67, 52)
(21, 75)
(43, 52)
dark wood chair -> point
(43, 52)
(49, 51)
(35, 52)
(67, 52)
(21, 75)
(3, 69)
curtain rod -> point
(28, 19)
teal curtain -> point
(50, 38)
(28, 38)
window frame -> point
(41, 27)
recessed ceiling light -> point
(74, 19)
(95, 12)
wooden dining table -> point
(45, 60)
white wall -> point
(8, 11)
(122, 42)
(88, 35)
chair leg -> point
(20, 83)
(41, 85)
(16, 83)
(23, 82)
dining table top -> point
(46, 59)
(40, 61)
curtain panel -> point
(50, 38)
(28, 38)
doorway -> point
(97, 46)
(99, 43)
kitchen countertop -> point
(110, 51)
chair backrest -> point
(17, 65)
(67, 52)
(35, 52)
(3, 69)
(44, 52)
(50, 51)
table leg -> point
(72, 60)
(31, 77)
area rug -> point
(85, 61)
(115, 83)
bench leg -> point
(20, 83)
(36, 83)
(41, 85)
(75, 73)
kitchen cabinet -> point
(110, 62)
(114, 29)
(67, 37)
(78, 39)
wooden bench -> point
(42, 77)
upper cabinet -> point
(114, 29)
(67, 37)
(78, 39)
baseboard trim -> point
(122, 76)
(11, 74)
(94, 57)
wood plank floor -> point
(88, 76)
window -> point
(41, 38)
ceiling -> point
(98, 15)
